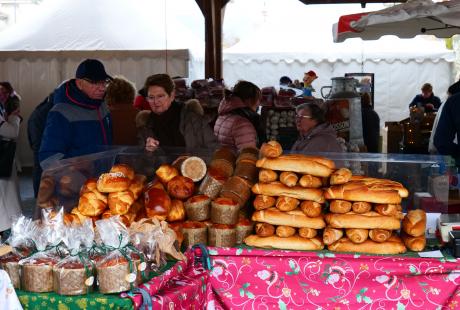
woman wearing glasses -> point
(169, 122)
(315, 134)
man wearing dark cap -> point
(79, 122)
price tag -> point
(131, 277)
(142, 266)
(89, 281)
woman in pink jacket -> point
(238, 124)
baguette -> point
(294, 218)
(415, 244)
(340, 176)
(331, 235)
(290, 243)
(278, 189)
(317, 166)
(368, 220)
(393, 245)
(357, 235)
(362, 193)
(289, 178)
(414, 223)
(378, 184)
(310, 181)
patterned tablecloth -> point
(8, 298)
(274, 279)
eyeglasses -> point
(152, 98)
(303, 116)
(104, 83)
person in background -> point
(169, 122)
(140, 102)
(426, 99)
(315, 135)
(10, 120)
(371, 124)
(238, 124)
(453, 89)
(285, 81)
(79, 121)
(120, 97)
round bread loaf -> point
(267, 176)
(311, 208)
(289, 178)
(340, 206)
(415, 244)
(112, 182)
(194, 168)
(379, 235)
(331, 235)
(284, 203)
(290, 243)
(125, 169)
(308, 233)
(265, 229)
(369, 220)
(89, 205)
(285, 231)
(157, 203)
(181, 187)
(271, 149)
(294, 218)
(262, 202)
(361, 207)
(357, 235)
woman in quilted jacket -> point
(238, 124)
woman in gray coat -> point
(315, 135)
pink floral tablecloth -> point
(266, 279)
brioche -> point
(362, 193)
(166, 172)
(265, 230)
(415, 244)
(157, 203)
(197, 208)
(267, 176)
(340, 176)
(46, 189)
(181, 187)
(369, 220)
(137, 185)
(284, 203)
(194, 168)
(290, 243)
(379, 235)
(331, 235)
(224, 211)
(120, 202)
(393, 245)
(176, 212)
(126, 170)
(340, 206)
(357, 235)
(89, 205)
(303, 164)
(289, 178)
(310, 181)
(294, 218)
(271, 149)
(308, 233)
(285, 231)
(113, 182)
(361, 207)
(414, 223)
(264, 202)
(278, 189)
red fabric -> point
(274, 279)
(184, 286)
(345, 20)
(141, 103)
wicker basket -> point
(70, 281)
(113, 279)
(37, 278)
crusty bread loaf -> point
(264, 202)
(271, 149)
(267, 176)
(120, 202)
(340, 206)
(362, 193)
(416, 244)
(294, 218)
(278, 189)
(379, 235)
(311, 208)
(285, 231)
(291, 243)
(289, 178)
(361, 207)
(284, 203)
(331, 235)
(181, 187)
(125, 169)
(306, 232)
(387, 209)
(113, 182)
(303, 164)
(378, 184)
(310, 181)
(265, 229)
(357, 235)
(369, 220)
(414, 223)
(340, 176)
(393, 245)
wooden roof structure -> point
(213, 12)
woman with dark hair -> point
(238, 124)
(315, 135)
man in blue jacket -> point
(80, 121)
(426, 99)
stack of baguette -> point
(289, 200)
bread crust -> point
(415, 244)
(264, 229)
(262, 202)
(331, 235)
(378, 184)
(113, 182)
(414, 223)
(267, 176)
(340, 206)
(368, 220)
(271, 149)
(294, 218)
(311, 208)
(308, 233)
(357, 235)
(379, 235)
(123, 168)
(310, 181)
(290, 243)
(340, 176)
(278, 189)
(289, 178)
(362, 193)
(317, 166)
(284, 203)
(393, 245)
(285, 231)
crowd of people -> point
(94, 109)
